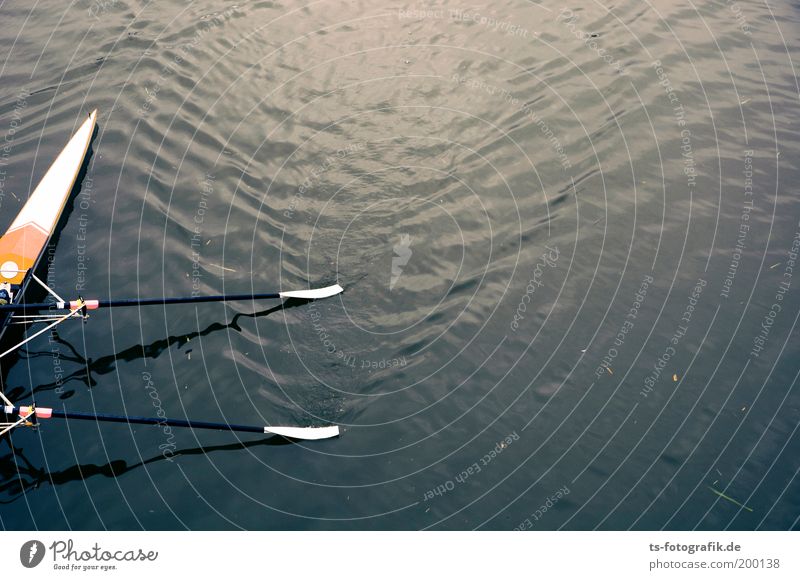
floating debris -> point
(730, 499)
(222, 267)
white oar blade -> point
(314, 294)
(310, 433)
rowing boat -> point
(21, 251)
(23, 244)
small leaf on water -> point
(730, 499)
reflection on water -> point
(20, 476)
(88, 367)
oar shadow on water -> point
(18, 475)
(90, 367)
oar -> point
(307, 433)
(315, 294)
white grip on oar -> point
(75, 304)
(25, 412)
(310, 433)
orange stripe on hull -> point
(19, 250)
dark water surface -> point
(566, 235)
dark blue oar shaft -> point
(38, 306)
(155, 421)
(184, 300)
